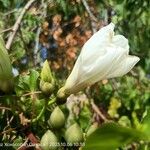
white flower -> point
(103, 56)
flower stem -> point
(40, 115)
(52, 101)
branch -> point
(36, 48)
(10, 12)
(17, 24)
(6, 108)
(96, 109)
(92, 17)
(31, 93)
(5, 30)
(89, 11)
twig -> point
(88, 10)
(92, 17)
(6, 108)
(17, 24)
(36, 48)
(7, 131)
(10, 12)
(23, 146)
(31, 93)
(96, 109)
(6, 30)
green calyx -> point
(46, 87)
(57, 118)
(61, 96)
(49, 141)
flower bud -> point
(49, 141)
(92, 129)
(47, 83)
(109, 58)
(74, 134)
(46, 74)
(46, 87)
(57, 118)
(61, 96)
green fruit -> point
(92, 129)
(74, 134)
(49, 141)
(46, 87)
(57, 118)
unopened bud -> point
(57, 118)
(47, 83)
(74, 134)
(46, 74)
(49, 141)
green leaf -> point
(5, 3)
(6, 76)
(146, 123)
(111, 136)
(84, 117)
(33, 80)
(22, 84)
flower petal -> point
(73, 77)
(124, 67)
(95, 45)
(103, 56)
(121, 41)
(98, 70)
(103, 65)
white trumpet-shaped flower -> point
(103, 56)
